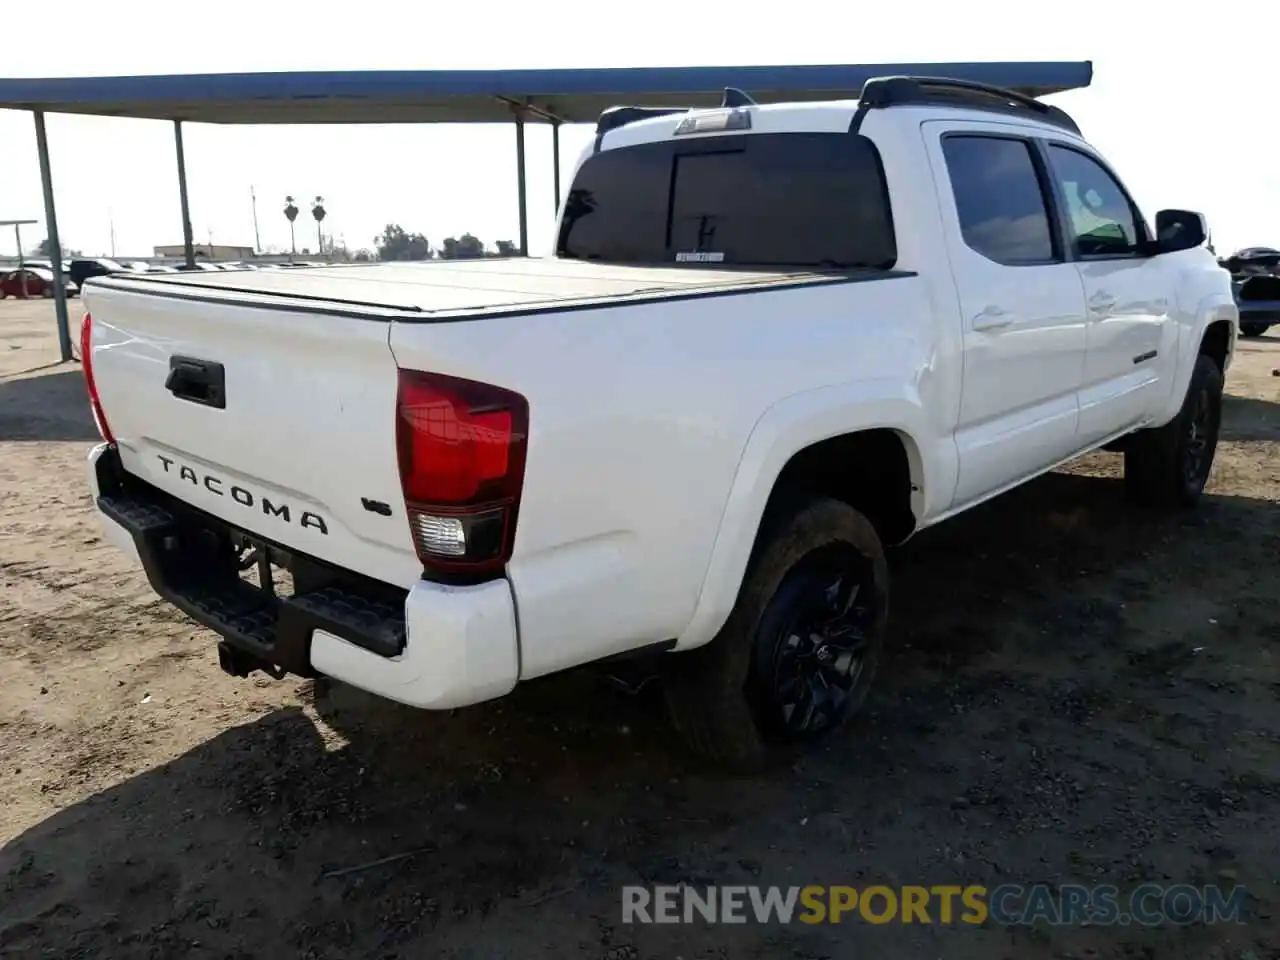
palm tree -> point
(317, 211)
(291, 214)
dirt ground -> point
(1074, 693)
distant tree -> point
(465, 247)
(291, 214)
(395, 243)
(43, 249)
(318, 211)
(505, 248)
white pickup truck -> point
(772, 340)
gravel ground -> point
(1074, 693)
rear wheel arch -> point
(878, 471)
(794, 660)
(891, 494)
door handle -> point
(992, 317)
(1101, 302)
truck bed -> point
(460, 289)
(266, 398)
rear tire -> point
(799, 651)
(1253, 329)
(47, 293)
(1169, 466)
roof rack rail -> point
(883, 92)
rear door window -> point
(804, 200)
(1000, 199)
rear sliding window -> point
(809, 200)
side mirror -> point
(1179, 230)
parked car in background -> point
(1261, 258)
(84, 268)
(39, 283)
(47, 264)
(1255, 283)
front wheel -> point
(1169, 466)
(1253, 329)
(797, 655)
(47, 293)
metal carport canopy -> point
(461, 96)
(484, 96)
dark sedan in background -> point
(1255, 280)
(83, 268)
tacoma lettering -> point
(244, 497)
(280, 511)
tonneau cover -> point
(467, 286)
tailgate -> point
(278, 422)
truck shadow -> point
(358, 828)
(1250, 419)
(49, 405)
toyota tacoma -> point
(771, 341)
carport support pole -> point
(520, 184)
(55, 248)
(187, 251)
(555, 160)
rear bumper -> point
(433, 646)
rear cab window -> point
(758, 200)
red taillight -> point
(462, 449)
(86, 362)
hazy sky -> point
(1182, 103)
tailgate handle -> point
(200, 381)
